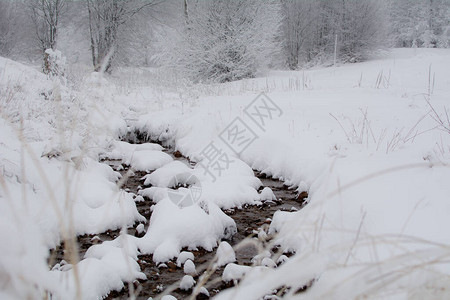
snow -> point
(38, 201)
(55, 62)
(225, 254)
(122, 264)
(95, 202)
(187, 282)
(258, 258)
(148, 160)
(171, 228)
(104, 268)
(139, 198)
(123, 242)
(204, 291)
(169, 175)
(234, 272)
(189, 268)
(33, 254)
(267, 194)
(282, 259)
(372, 159)
(140, 228)
(267, 262)
(235, 187)
(98, 278)
(102, 198)
(125, 151)
(183, 257)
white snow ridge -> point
(239, 149)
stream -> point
(249, 221)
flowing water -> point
(249, 221)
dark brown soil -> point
(248, 220)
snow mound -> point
(140, 228)
(183, 257)
(189, 268)
(235, 187)
(204, 291)
(234, 272)
(282, 259)
(154, 193)
(187, 282)
(169, 175)
(268, 262)
(225, 254)
(172, 228)
(27, 273)
(124, 151)
(99, 205)
(148, 160)
(51, 166)
(141, 157)
(104, 268)
(97, 280)
(267, 195)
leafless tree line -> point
(219, 40)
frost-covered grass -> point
(52, 186)
(374, 156)
(369, 142)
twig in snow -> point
(356, 238)
(443, 124)
(340, 124)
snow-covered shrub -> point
(428, 39)
(444, 39)
(419, 23)
(314, 30)
(223, 40)
(54, 63)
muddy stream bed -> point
(249, 220)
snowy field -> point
(369, 142)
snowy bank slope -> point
(364, 141)
(51, 185)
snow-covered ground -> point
(363, 139)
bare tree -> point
(17, 31)
(300, 24)
(106, 17)
(46, 16)
(420, 23)
(313, 30)
(6, 28)
(223, 40)
(360, 27)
